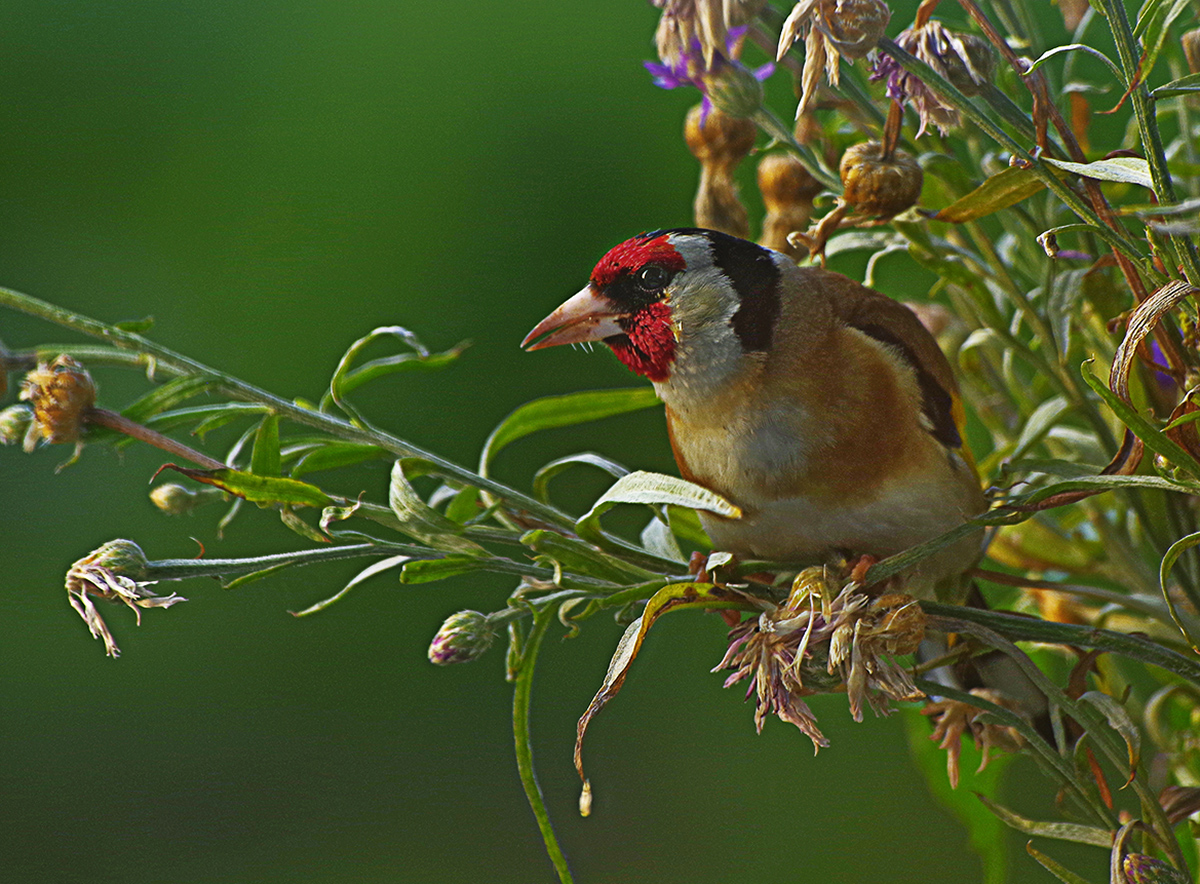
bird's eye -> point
(652, 277)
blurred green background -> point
(270, 181)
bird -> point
(823, 409)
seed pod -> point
(787, 191)
(853, 26)
(720, 142)
(877, 186)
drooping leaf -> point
(541, 479)
(258, 489)
(1055, 868)
(301, 527)
(583, 558)
(421, 521)
(1153, 26)
(658, 539)
(1038, 424)
(672, 597)
(1124, 170)
(654, 488)
(1077, 47)
(1188, 85)
(552, 412)
(1119, 720)
(165, 397)
(1076, 832)
(1164, 570)
(369, 571)
(998, 192)
(332, 455)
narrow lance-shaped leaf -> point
(264, 458)
(1055, 868)
(551, 412)
(421, 521)
(369, 571)
(1124, 170)
(1178, 548)
(1120, 721)
(258, 489)
(998, 192)
(1076, 832)
(541, 479)
(654, 488)
(669, 598)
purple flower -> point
(724, 82)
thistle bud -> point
(720, 142)
(61, 393)
(15, 422)
(853, 26)
(874, 185)
(1142, 869)
(175, 500)
(464, 637)
(1191, 50)
(732, 88)
(787, 190)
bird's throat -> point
(648, 345)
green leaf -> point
(421, 521)
(1188, 85)
(1119, 720)
(165, 397)
(658, 539)
(1164, 570)
(1153, 27)
(653, 488)
(541, 479)
(1124, 170)
(1038, 424)
(264, 459)
(429, 570)
(551, 412)
(998, 192)
(583, 558)
(1076, 832)
(1154, 438)
(137, 326)
(258, 489)
(685, 525)
(255, 576)
(1077, 47)
(369, 571)
(301, 527)
(332, 455)
(1055, 868)
(463, 506)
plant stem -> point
(522, 694)
(102, 417)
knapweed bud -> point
(464, 637)
(61, 393)
(733, 88)
(1142, 869)
(853, 26)
(175, 500)
(877, 186)
(15, 422)
(122, 558)
(720, 142)
(787, 190)
(1191, 50)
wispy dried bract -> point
(703, 23)
(953, 719)
(822, 637)
(112, 572)
(831, 29)
(61, 393)
(965, 60)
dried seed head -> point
(463, 637)
(61, 393)
(719, 142)
(15, 422)
(1191, 50)
(894, 624)
(853, 26)
(877, 186)
(972, 64)
(787, 190)
(705, 23)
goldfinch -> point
(822, 408)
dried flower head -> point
(821, 637)
(720, 143)
(831, 29)
(61, 393)
(705, 23)
(953, 719)
(724, 81)
(115, 571)
(966, 61)
(787, 190)
(464, 637)
(878, 185)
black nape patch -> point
(936, 402)
(755, 278)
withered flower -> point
(705, 23)
(821, 637)
(877, 185)
(725, 82)
(967, 61)
(61, 393)
(953, 719)
(831, 29)
(15, 423)
(114, 571)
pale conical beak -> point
(585, 316)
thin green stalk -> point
(1143, 111)
(522, 694)
(238, 389)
